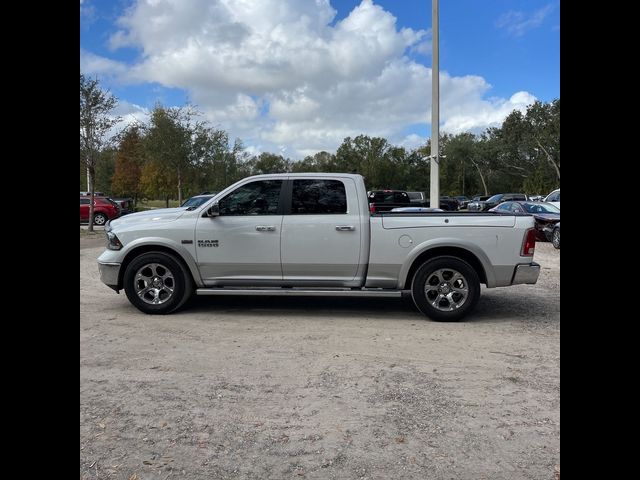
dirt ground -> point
(277, 388)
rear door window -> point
(318, 197)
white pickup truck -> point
(312, 234)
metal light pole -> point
(434, 197)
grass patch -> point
(88, 234)
(149, 204)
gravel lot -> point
(268, 388)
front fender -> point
(179, 250)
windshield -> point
(495, 198)
(196, 201)
(540, 208)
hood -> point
(150, 216)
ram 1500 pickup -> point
(312, 234)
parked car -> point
(545, 215)
(449, 203)
(126, 205)
(386, 200)
(475, 205)
(536, 198)
(104, 209)
(463, 201)
(554, 198)
(553, 235)
(312, 233)
(197, 200)
(420, 199)
(496, 200)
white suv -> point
(554, 198)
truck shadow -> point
(492, 307)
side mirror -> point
(213, 210)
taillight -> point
(529, 243)
(372, 208)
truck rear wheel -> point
(157, 283)
(445, 289)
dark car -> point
(420, 199)
(496, 200)
(386, 200)
(126, 205)
(449, 203)
(196, 200)
(553, 234)
(463, 201)
(104, 209)
(475, 205)
(546, 216)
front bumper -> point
(109, 272)
(526, 273)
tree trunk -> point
(484, 184)
(463, 178)
(166, 199)
(553, 164)
(179, 188)
(90, 174)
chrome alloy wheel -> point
(446, 289)
(154, 284)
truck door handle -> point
(345, 228)
(265, 228)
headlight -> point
(113, 242)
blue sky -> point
(297, 76)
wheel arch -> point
(449, 251)
(190, 267)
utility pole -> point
(434, 197)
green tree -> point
(320, 162)
(105, 169)
(129, 160)
(367, 156)
(156, 181)
(170, 141)
(543, 120)
(96, 121)
(269, 163)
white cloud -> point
(279, 76)
(517, 23)
(129, 114)
(481, 114)
(92, 64)
(412, 141)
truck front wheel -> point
(445, 288)
(157, 283)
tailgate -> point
(453, 220)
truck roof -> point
(307, 174)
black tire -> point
(168, 271)
(555, 238)
(438, 272)
(99, 219)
